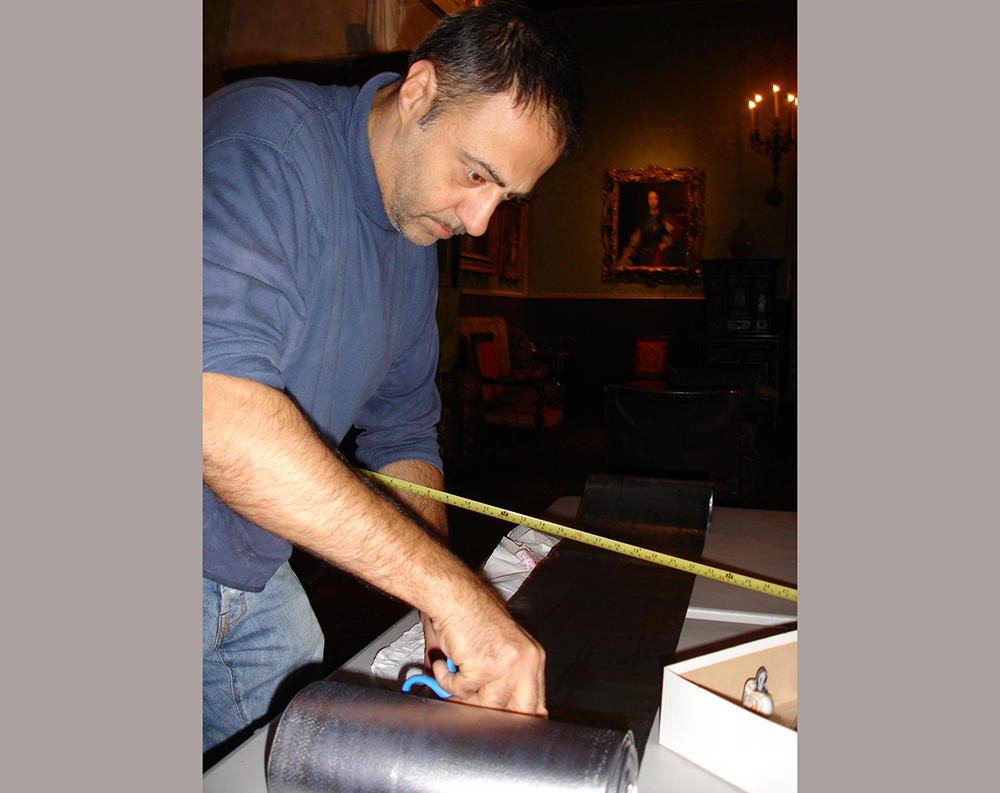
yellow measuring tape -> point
(737, 579)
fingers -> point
(505, 674)
(431, 643)
(540, 707)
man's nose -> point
(475, 211)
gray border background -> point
(896, 390)
(102, 285)
(896, 397)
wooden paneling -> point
(290, 31)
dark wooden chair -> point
(760, 400)
(516, 390)
(677, 434)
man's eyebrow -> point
(494, 176)
(489, 169)
(491, 172)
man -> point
(321, 207)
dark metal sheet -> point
(610, 623)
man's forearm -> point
(263, 459)
(422, 473)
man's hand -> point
(499, 664)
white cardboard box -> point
(701, 717)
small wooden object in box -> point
(701, 717)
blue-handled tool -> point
(430, 682)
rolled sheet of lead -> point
(338, 738)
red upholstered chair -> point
(517, 391)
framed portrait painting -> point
(653, 224)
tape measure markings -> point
(626, 549)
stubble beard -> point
(401, 209)
(410, 226)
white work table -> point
(760, 543)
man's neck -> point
(382, 123)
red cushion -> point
(649, 385)
(650, 357)
(488, 359)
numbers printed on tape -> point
(685, 565)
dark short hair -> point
(506, 46)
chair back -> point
(483, 330)
(690, 434)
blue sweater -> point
(309, 289)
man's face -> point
(448, 177)
(654, 201)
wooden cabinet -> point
(739, 294)
(761, 349)
(740, 321)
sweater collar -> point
(369, 194)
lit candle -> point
(775, 89)
(791, 99)
(753, 114)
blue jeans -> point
(258, 650)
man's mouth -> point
(443, 231)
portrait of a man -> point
(652, 223)
(656, 239)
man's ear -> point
(416, 94)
